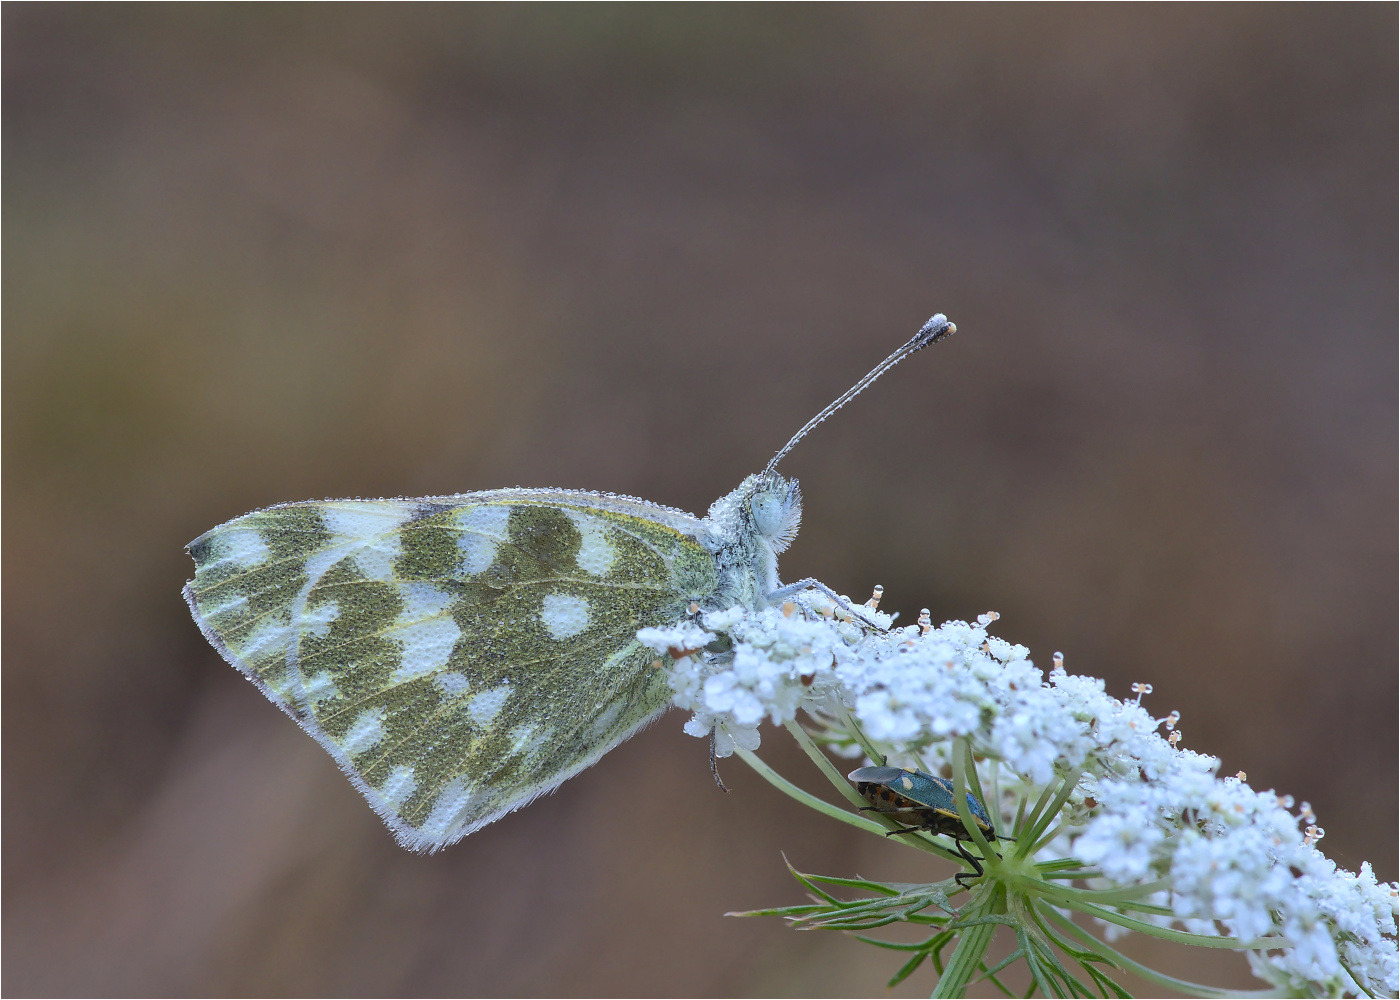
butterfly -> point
(460, 655)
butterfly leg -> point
(812, 583)
(714, 768)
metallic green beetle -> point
(922, 801)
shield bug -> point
(922, 801)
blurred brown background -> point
(255, 254)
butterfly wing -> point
(457, 656)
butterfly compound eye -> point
(777, 510)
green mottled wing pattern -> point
(457, 656)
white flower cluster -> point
(1142, 809)
(744, 666)
(1236, 860)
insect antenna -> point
(931, 332)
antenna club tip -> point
(934, 330)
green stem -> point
(865, 744)
(1166, 933)
(966, 960)
(962, 765)
(1046, 839)
(1110, 897)
(993, 804)
(1030, 819)
(824, 764)
(1146, 972)
(835, 812)
(1027, 840)
(805, 797)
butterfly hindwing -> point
(458, 656)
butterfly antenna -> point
(933, 331)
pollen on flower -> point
(1313, 834)
(1241, 776)
(788, 608)
(1174, 738)
(874, 602)
(1173, 717)
(925, 622)
(988, 618)
(1141, 689)
(1305, 812)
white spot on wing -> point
(364, 520)
(242, 547)
(270, 637)
(485, 706)
(233, 604)
(320, 687)
(525, 740)
(398, 786)
(427, 646)
(425, 630)
(595, 553)
(453, 684)
(483, 528)
(364, 732)
(376, 560)
(564, 615)
(375, 526)
(447, 812)
(316, 566)
(605, 721)
(422, 600)
(317, 621)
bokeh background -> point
(266, 253)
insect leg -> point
(972, 860)
(813, 583)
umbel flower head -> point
(1159, 842)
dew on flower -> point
(1136, 809)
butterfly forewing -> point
(458, 656)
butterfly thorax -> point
(747, 529)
